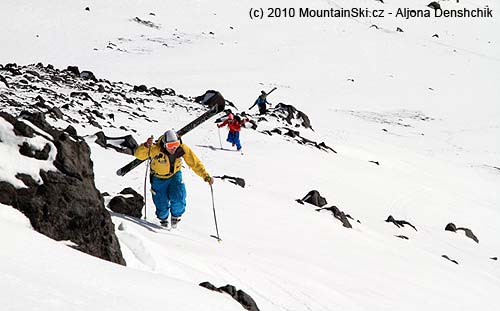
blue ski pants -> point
(169, 195)
(234, 138)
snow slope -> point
(425, 108)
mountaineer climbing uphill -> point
(167, 187)
(234, 122)
(262, 102)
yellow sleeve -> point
(142, 152)
(194, 163)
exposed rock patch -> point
(313, 197)
(130, 203)
(239, 295)
(64, 204)
(399, 223)
(468, 232)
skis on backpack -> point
(214, 110)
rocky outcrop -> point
(313, 197)
(399, 223)
(243, 298)
(468, 232)
(64, 204)
(340, 215)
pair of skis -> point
(214, 110)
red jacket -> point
(234, 126)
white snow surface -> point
(436, 98)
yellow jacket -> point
(161, 160)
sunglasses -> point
(172, 144)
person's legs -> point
(160, 198)
(177, 195)
(237, 140)
(262, 109)
(230, 137)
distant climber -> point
(234, 122)
(261, 102)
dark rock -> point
(71, 131)
(454, 261)
(451, 227)
(67, 205)
(27, 150)
(88, 75)
(340, 215)
(375, 162)
(209, 286)
(399, 223)
(314, 198)
(323, 146)
(246, 301)
(494, 258)
(140, 88)
(40, 99)
(128, 143)
(434, 5)
(402, 237)
(169, 92)
(435, 35)
(74, 70)
(127, 206)
(8, 193)
(2, 79)
(469, 234)
(399, 29)
(98, 114)
(156, 92)
(234, 180)
(57, 112)
(81, 95)
(243, 298)
(230, 289)
(87, 9)
(22, 129)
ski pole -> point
(220, 141)
(145, 199)
(145, 181)
(215, 217)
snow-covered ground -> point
(426, 108)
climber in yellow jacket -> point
(167, 187)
